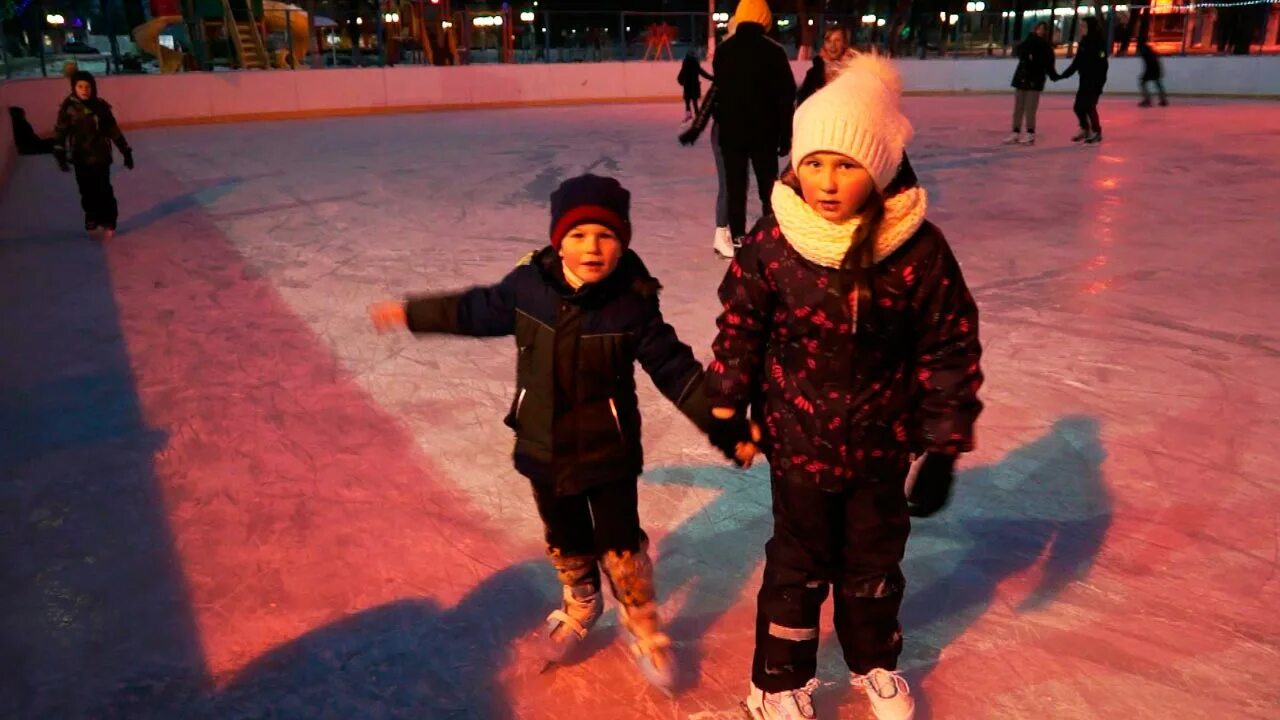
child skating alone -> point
(82, 138)
(849, 333)
(583, 311)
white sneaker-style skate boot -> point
(1028, 139)
(579, 610)
(1013, 139)
(889, 694)
(1080, 136)
(723, 244)
(787, 705)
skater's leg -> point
(571, 548)
(764, 160)
(797, 570)
(735, 176)
(1164, 99)
(870, 585)
(1095, 123)
(88, 197)
(694, 100)
(1019, 107)
(109, 210)
(1081, 108)
(1030, 109)
(626, 562)
(722, 192)
(1146, 95)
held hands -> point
(388, 315)
(933, 476)
(735, 436)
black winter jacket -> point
(1035, 64)
(1091, 63)
(755, 90)
(841, 406)
(690, 72)
(85, 131)
(574, 411)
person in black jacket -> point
(583, 311)
(82, 137)
(755, 96)
(828, 63)
(1151, 73)
(689, 78)
(1091, 63)
(1035, 63)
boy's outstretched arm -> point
(486, 311)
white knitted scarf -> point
(826, 243)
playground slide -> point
(147, 37)
(277, 14)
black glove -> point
(62, 162)
(128, 157)
(726, 434)
(933, 485)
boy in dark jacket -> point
(1151, 73)
(1035, 63)
(82, 137)
(583, 311)
(689, 78)
(755, 97)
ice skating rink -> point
(222, 495)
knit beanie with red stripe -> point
(590, 199)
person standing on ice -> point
(1035, 64)
(1151, 73)
(849, 333)
(583, 311)
(82, 138)
(690, 81)
(1091, 63)
(755, 96)
(828, 63)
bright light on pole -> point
(526, 16)
(54, 19)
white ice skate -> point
(723, 244)
(1080, 136)
(1013, 139)
(788, 705)
(649, 647)
(889, 694)
(1093, 139)
(1028, 139)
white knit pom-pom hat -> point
(857, 114)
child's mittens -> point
(389, 315)
(128, 157)
(932, 487)
(734, 435)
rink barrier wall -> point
(241, 96)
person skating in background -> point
(705, 115)
(82, 138)
(755, 96)
(689, 78)
(830, 60)
(849, 333)
(583, 311)
(1035, 64)
(1091, 63)
(1152, 72)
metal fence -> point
(411, 32)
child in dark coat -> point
(849, 333)
(689, 78)
(1151, 73)
(583, 311)
(82, 138)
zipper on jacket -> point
(613, 408)
(519, 402)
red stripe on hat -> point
(583, 214)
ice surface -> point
(224, 496)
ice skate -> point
(1080, 136)
(1014, 139)
(631, 578)
(888, 692)
(1028, 139)
(688, 117)
(579, 610)
(723, 244)
(787, 705)
(1145, 103)
(108, 234)
(1093, 139)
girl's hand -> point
(737, 440)
(745, 454)
(388, 316)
